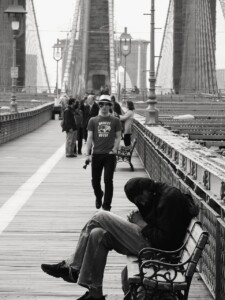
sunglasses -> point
(101, 104)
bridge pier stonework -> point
(188, 48)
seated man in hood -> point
(161, 221)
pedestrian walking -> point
(94, 108)
(116, 107)
(127, 120)
(64, 103)
(69, 125)
(85, 108)
(104, 134)
(78, 114)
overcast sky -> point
(55, 19)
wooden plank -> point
(47, 228)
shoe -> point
(98, 202)
(61, 270)
(105, 207)
(79, 152)
(86, 296)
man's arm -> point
(89, 143)
(126, 116)
(117, 141)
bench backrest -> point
(134, 142)
(195, 242)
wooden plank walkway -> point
(46, 228)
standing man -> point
(69, 125)
(104, 134)
(94, 109)
(90, 110)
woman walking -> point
(127, 118)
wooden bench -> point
(124, 154)
(157, 274)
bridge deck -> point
(45, 199)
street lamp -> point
(125, 49)
(151, 112)
(57, 55)
(16, 13)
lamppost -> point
(118, 60)
(57, 55)
(16, 13)
(125, 49)
(151, 112)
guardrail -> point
(17, 124)
(186, 165)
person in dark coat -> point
(116, 107)
(94, 108)
(90, 109)
(85, 108)
(161, 221)
(69, 125)
(78, 114)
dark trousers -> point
(79, 141)
(108, 163)
(127, 139)
(85, 134)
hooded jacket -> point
(167, 212)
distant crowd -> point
(76, 113)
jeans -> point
(105, 231)
(108, 163)
(71, 137)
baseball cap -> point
(105, 98)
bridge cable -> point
(39, 41)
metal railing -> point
(18, 124)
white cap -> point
(105, 98)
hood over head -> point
(135, 187)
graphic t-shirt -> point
(104, 133)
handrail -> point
(17, 124)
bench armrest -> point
(159, 269)
(158, 254)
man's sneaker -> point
(106, 207)
(61, 270)
(86, 296)
(98, 201)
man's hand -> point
(88, 158)
(113, 151)
(87, 161)
(136, 218)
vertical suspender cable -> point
(66, 75)
(39, 41)
(164, 37)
